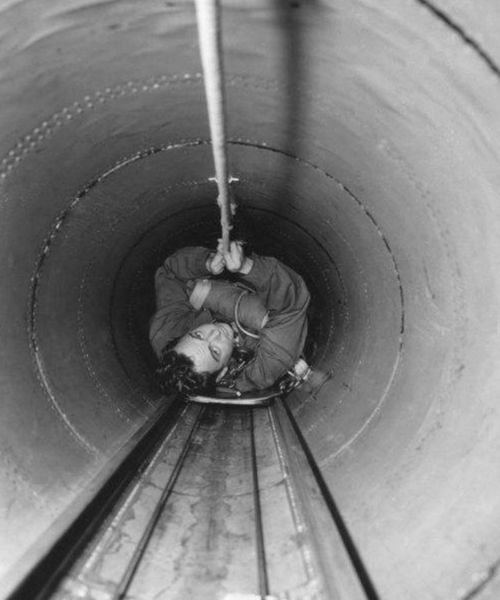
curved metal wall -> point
(365, 139)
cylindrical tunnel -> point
(365, 139)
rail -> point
(226, 503)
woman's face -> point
(209, 346)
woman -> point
(204, 324)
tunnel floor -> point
(228, 507)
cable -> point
(237, 321)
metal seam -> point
(259, 530)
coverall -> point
(279, 292)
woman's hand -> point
(215, 263)
(235, 257)
(235, 260)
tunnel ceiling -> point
(363, 136)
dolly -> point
(294, 377)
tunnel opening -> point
(361, 179)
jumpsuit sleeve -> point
(286, 298)
(174, 314)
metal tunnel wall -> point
(365, 137)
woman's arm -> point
(174, 314)
(286, 299)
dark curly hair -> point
(176, 374)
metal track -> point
(228, 507)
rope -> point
(210, 39)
